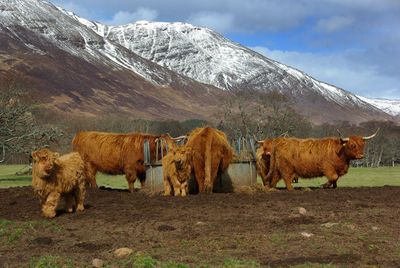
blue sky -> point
(352, 44)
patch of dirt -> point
(347, 226)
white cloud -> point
(341, 70)
(75, 8)
(333, 24)
(219, 22)
(124, 17)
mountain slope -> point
(75, 69)
(151, 70)
(389, 106)
(210, 58)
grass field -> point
(356, 177)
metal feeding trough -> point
(241, 172)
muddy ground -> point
(354, 227)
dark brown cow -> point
(114, 153)
(211, 156)
(263, 159)
(308, 158)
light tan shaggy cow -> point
(176, 170)
(54, 177)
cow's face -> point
(268, 146)
(43, 162)
(354, 147)
(182, 155)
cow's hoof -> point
(69, 210)
(80, 208)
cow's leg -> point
(185, 188)
(287, 173)
(288, 182)
(199, 175)
(130, 176)
(90, 172)
(79, 195)
(274, 181)
(141, 174)
(215, 171)
(69, 203)
(288, 176)
(332, 178)
(49, 207)
(167, 186)
(177, 186)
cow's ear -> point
(341, 148)
(34, 155)
(56, 155)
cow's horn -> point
(259, 142)
(370, 137)
(177, 138)
(340, 135)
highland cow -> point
(54, 177)
(176, 170)
(114, 153)
(307, 158)
(211, 156)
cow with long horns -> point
(308, 158)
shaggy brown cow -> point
(263, 159)
(262, 163)
(176, 170)
(115, 153)
(308, 158)
(54, 177)
(211, 156)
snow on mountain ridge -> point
(214, 49)
(391, 107)
(210, 58)
(66, 32)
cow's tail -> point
(272, 163)
(207, 164)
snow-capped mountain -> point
(152, 69)
(208, 57)
(391, 107)
(76, 69)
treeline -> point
(25, 127)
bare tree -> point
(19, 131)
